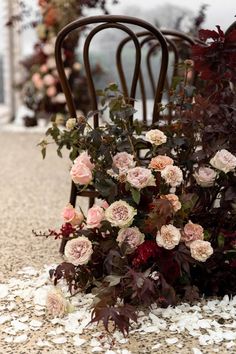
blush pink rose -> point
(224, 161)
(81, 174)
(95, 216)
(56, 303)
(132, 235)
(205, 177)
(51, 91)
(201, 250)
(172, 175)
(72, 216)
(191, 233)
(85, 159)
(159, 162)
(43, 68)
(140, 177)
(120, 214)
(49, 80)
(123, 161)
(79, 250)
(37, 81)
(168, 237)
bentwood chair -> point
(179, 45)
(100, 23)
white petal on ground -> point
(196, 351)
(3, 291)
(20, 339)
(172, 340)
(78, 341)
(59, 340)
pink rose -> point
(37, 81)
(174, 200)
(43, 68)
(85, 159)
(191, 233)
(95, 216)
(205, 177)
(159, 162)
(79, 250)
(132, 236)
(51, 91)
(140, 177)
(201, 250)
(172, 175)
(224, 161)
(102, 203)
(81, 174)
(168, 237)
(123, 161)
(49, 80)
(56, 303)
(72, 216)
(120, 214)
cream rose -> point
(140, 177)
(70, 123)
(81, 174)
(72, 216)
(192, 232)
(159, 162)
(224, 161)
(156, 137)
(95, 216)
(201, 250)
(85, 159)
(79, 250)
(132, 235)
(172, 175)
(120, 214)
(56, 303)
(168, 237)
(205, 176)
(174, 200)
(123, 161)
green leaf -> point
(112, 279)
(43, 151)
(135, 195)
(221, 240)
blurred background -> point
(23, 102)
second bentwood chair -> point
(100, 23)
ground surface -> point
(32, 194)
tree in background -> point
(40, 88)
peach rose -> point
(201, 250)
(43, 68)
(156, 137)
(131, 235)
(79, 250)
(81, 174)
(191, 233)
(224, 161)
(174, 200)
(172, 175)
(168, 237)
(205, 176)
(159, 162)
(140, 177)
(120, 214)
(85, 159)
(123, 161)
(51, 91)
(56, 303)
(37, 81)
(94, 217)
(72, 216)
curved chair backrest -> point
(117, 22)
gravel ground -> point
(32, 195)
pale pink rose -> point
(123, 161)
(191, 233)
(72, 216)
(140, 177)
(131, 235)
(224, 161)
(156, 137)
(56, 303)
(85, 159)
(59, 98)
(201, 250)
(159, 162)
(102, 203)
(51, 91)
(168, 237)
(81, 174)
(205, 176)
(43, 68)
(79, 250)
(189, 62)
(95, 216)
(48, 49)
(37, 81)
(49, 80)
(120, 214)
(174, 200)
(172, 175)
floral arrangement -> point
(163, 227)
